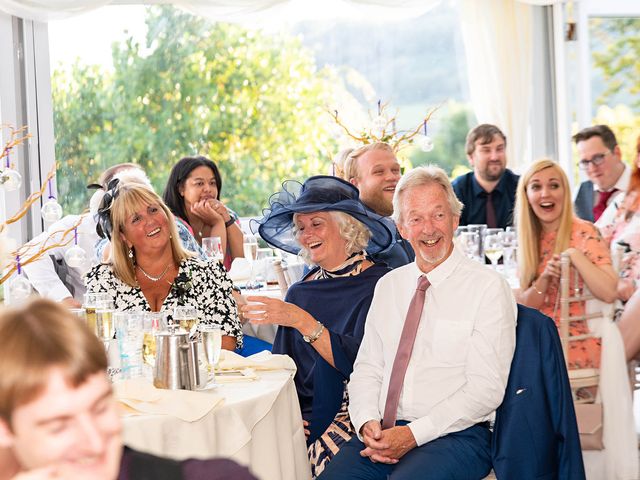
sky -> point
(89, 36)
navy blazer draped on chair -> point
(535, 434)
(583, 204)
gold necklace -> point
(151, 277)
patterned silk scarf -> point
(351, 267)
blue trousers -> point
(456, 456)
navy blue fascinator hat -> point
(318, 194)
(104, 226)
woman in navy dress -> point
(322, 317)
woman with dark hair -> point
(192, 193)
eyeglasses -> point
(596, 160)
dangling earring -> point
(130, 252)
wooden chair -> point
(587, 377)
(281, 275)
(619, 458)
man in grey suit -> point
(608, 176)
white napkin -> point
(234, 376)
(143, 398)
(260, 361)
(240, 270)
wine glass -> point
(469, 243)
(493, 248)
(211, 337)
(187, 318)
(212, 247)
(250, 246)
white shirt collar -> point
(442, 271)
(623, 181)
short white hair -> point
(355, 233)
(425, 175)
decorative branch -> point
(25, 251)
(383, 133)
(29, 201)
(14, 138)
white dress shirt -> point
(461, 357)
(42, 273)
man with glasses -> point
(600, 158)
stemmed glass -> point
(469, 243)
(509, 243)
(187, 318)
(493, 248)
(212, 247)
(250, 246)
(211, 337)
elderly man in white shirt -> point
(434, 361)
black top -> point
(474, 197)
(143, 466)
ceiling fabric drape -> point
(498, 48)
(227, 10)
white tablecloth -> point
(258, 425)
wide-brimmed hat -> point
(318, 194)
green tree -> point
(254, 103)
(616, 49)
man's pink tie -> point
(403, 355)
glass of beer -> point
(91, 301)
(104, 320)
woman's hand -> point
(274, 311)
(306, 429)
(210, 211)
(552, 268)
(626, 287)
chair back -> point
(283, 282)
(570, 293)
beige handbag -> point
(589, 416)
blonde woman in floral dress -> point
(546, 228)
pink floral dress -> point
(586, 238)
(625, 228)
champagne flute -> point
(212, 247)
(493, 248)
(211, 336)
(250, 246)
(104, 320)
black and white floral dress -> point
(203, 285)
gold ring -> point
(266, 315)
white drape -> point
(498, 48)
(228, 10)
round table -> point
(258, 425)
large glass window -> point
(615, 78)
(153, 84)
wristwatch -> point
(314, 335)
(229, 222)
